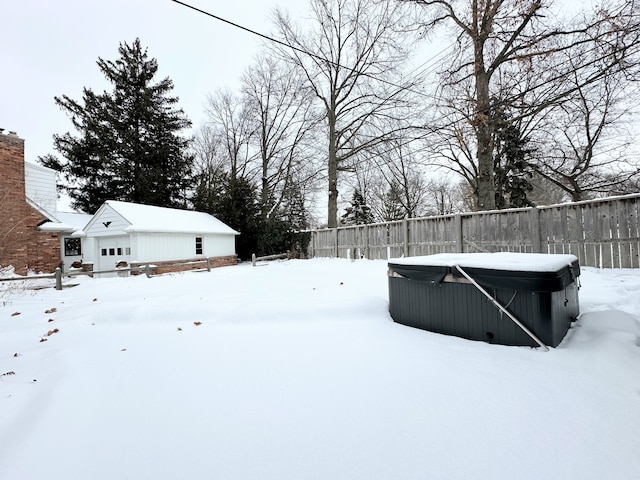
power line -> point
(298, 49)
(426, 67)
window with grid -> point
(72, 247)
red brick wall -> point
(21, 244)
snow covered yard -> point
(294, 370)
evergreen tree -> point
(234, 201)
(294, 210)
(276, 236)
(281, 232)
(211, 187)
(359, 212)
(128, 145)
(512, 172)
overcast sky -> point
(49, 48)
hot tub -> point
(504, 298)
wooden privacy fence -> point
(602, 233)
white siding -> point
(149, 247)
(219, 245)
(40, 186)
(89, 253)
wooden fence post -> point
(147, 270)
(253, 259)
(208, 264)
(58, 279)
(337, 244)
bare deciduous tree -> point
(584, 148)
(403, 176)
(231, 133)
(446, 196)
(283, 120)
(512, 52)
(350, 54)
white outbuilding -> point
(134, 233)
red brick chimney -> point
(21, 243)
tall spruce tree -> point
(359, 213)
(513, 173)
(128, 145)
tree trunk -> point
(265, 194)
(483, 124)
(332, 203)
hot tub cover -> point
(518, 271)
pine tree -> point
(234, 201)
(512, 171)
(359, 213)
(128, 145)
(282, 231)
(294, 210)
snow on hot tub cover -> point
(517, 271)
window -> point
(104, 252)
(127, 250)
(198, 245)
(112, 252)
(72, 247)
(119, 251)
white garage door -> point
(112, 250)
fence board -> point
(545, 219)
(396, 239)
(554, 229)
(324, 243)
(624, 235)
(590, 227)
(603, 232)
(614, 227)
(634, 233)
(573, 232)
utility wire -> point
(427, 69)
(298, 49)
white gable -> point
(106, 221)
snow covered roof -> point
(55, 227)
(66, 222)
(77, 220)
(527, 262)
(147, 218)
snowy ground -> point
(296, 371)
